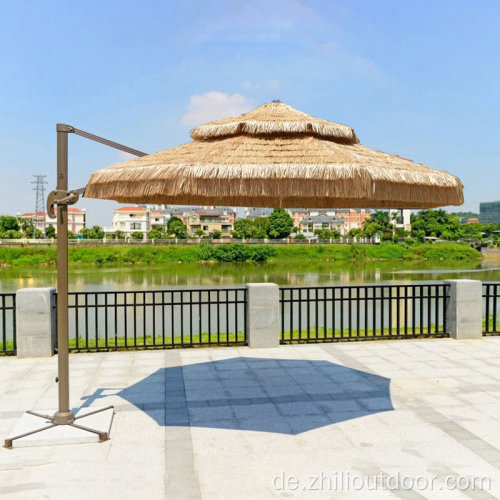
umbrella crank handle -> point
(61, 197)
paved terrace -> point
(235, 423)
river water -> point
(95, 321)
(194, 275)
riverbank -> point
(140, 255)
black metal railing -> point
(491, 298)
(163, 319)
(336, 313)
(7, 323)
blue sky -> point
(419, 79)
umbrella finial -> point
(276, 100)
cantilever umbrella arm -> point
(62, 197)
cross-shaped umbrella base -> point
(59, 419)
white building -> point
(77, 219)
(131, 220)
(158, 220)
(402, 218)
(314, 222)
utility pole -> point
(40, 216)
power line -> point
(39, 219)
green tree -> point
(156, 234)
(176, 227)
(93, 233)
(382, 218)
(137, 235)
(324, 234)
(216, 235)
(465, 216)
(370, 228)
(280, 223)
(243, 229)
(379, 222)
(261, 227)
(11, 234)
(199, 233)
(436, 223)
(8, 223)
(26, 226)
(172, 222)
(355, 232)
(50, 232)
(119, 235)
(473, 230)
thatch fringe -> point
(314, 186)
(333, 131)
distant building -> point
(77, 219)
(131, 220)
(489, 213)
(158, 220)
(210, 220)
(314, 222)
(402, 218)
(298, 214)
(348, 218)
(353, 218)
(144, 218)
(254, 212)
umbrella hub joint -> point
(63, 418)
(62, 197)
(62, 127)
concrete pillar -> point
(464, 309)
(263, 315)
(36, 322)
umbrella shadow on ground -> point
(285, 396)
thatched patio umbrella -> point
(276, 156)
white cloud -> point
(214, 106)
(266, 85)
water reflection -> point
(228, 274)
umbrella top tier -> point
(276, 118)
(276, 156)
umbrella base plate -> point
(42, 428)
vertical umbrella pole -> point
(64, 415)
(62, 198)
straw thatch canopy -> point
(276, 156)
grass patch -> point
(321, 335)
(148, 342)
(7, 346)
(385, 251)
(141, 255)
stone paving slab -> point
(305, 421)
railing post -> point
(35, 322)
(263, 315)
(464, 316)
